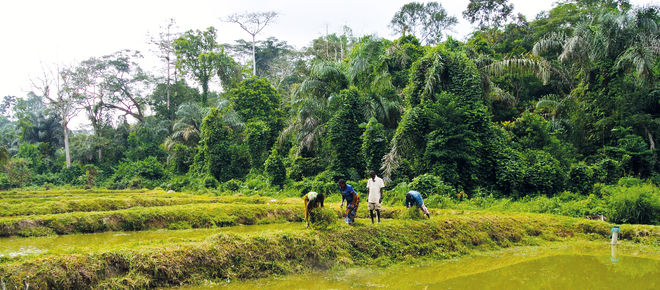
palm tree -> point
(312, 102)
(186, 129)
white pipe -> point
(615, 234)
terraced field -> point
(144, 239)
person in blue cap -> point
(352, 200)
(415, 198)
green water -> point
(574, 266)
(16, 246)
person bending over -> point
(352, 200)
(415, 198)
(312, 201)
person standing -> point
(415, 198)
(352, 201)
(375, 187)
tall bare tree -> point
(164, 43)
(62, 99)
(252, 23)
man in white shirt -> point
(375, 186)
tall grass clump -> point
(322, 218)
(636, 204)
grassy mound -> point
(143, 218)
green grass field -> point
(167, 250)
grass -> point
(55, 205)
(231, 256)
(463, 229)
(143, 218)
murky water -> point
(575, 266)
(17, 246)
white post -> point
(615, 234)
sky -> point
(39, 34)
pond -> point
(585, 265)
(18, 246)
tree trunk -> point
(254, 58)
(66, 145)
(651, 145)
(168, 84)
(100, 150)
(205, 91)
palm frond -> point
(433, 75)
(549, 43)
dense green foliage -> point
(520, 110)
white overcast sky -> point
(43, 33)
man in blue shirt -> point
(415, 198)
(352, 201)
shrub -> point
(144, 173)
(258, 138)
(210, 182)
(302, 167)
(232, 185)
(4, 182)
(178, 183)
(530, 172)
(180, 158)
(638, 204)
(608, 171)
(91, 172)
(46, 178)
(428, 184)
(630, 181)
(581, 178)
(374, 144)
(329, 176)
(275, 168)
(18, 172)
(72, 174)
(307, 185)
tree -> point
(255, 99)
(344, 134)
(214, 157)
(165, 99)
(165, 49)
(374, 144)
(267, 53)
(258, 137)
(311, 104)
(198, 53)
(62, 99)
(186, 129)
(488, 13)
(123, 84)
(252, 23)
(4, 156)
(275, 168)
(332, 47)
(425, 21)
